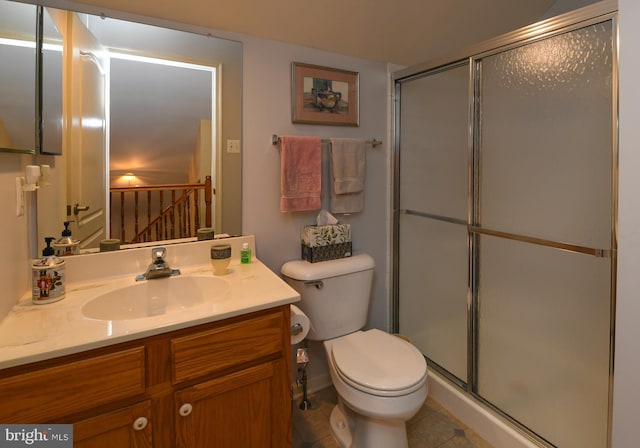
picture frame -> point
(324, 95)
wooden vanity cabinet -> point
(243, 402)
(127, 427)
(221, 384)
(236, 410)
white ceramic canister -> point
(47, 280)
(47, 277)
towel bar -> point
(275, 139)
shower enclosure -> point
(504, 222)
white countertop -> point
(36, 332)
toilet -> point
(380, 379)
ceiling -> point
(403, 32)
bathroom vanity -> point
(206, 375)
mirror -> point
(18, 78)
(51, 120)
(142, 106)
(31, 42)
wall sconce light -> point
(36, 176)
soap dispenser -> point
(47, 276)
(66, 245)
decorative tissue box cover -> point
(328, 242)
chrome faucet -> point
(158, 268)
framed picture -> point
(323, 95)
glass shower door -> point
(432, 234)
(505, 253)
(543, 236)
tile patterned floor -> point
(432, 426)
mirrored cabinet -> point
(18, 126)
(30, 80)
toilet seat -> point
(378, 363)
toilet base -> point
(340, 427)
(352, 430)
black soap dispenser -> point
(66, 245)
(47, 276)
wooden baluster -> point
(186, 213)
(183, 215)
(188, 220)
(135, 216)
(183, 211)
(173, 214)
(196, 209)
(163, 221)
(159, 224)
(179, 220)
(148, 238)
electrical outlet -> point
(233, 146)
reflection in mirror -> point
(147, 88)
(148, 110)
(51, 73)
(17, 77)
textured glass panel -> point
(546, 137)
(544, 339)
(434, 143)
(433, 290)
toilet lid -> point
(379, 363)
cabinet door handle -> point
(185, 409)
(140, 423)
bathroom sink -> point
(156, 297)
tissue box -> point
(327, 242)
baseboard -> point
(313, 385)
(483, 421)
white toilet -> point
(381, 380)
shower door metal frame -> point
(597, 13)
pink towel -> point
(300, 173)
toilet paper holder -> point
(296, 329)
(298, 326)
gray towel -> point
(347, 175)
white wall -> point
(267, 111)
(562, 6)
(15, 266)
(626, 398)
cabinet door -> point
(231, 411)
(127, 427)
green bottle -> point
(245, 254)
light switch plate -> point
(233, 146)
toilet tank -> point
(334, 294)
